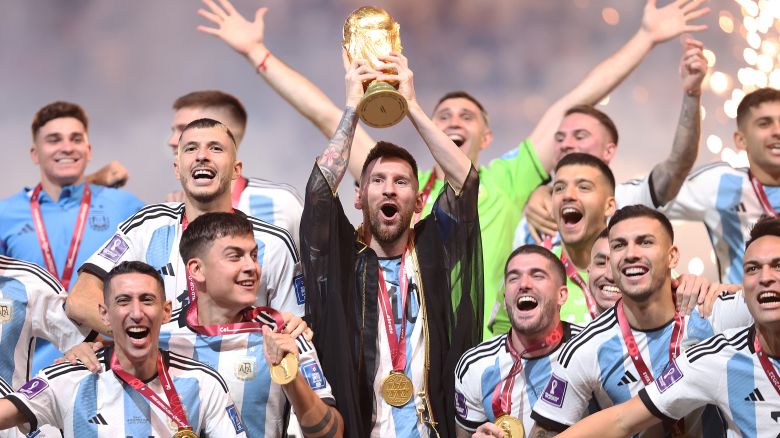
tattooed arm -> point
(669, 175)
(335, 158)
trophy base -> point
(382, 106)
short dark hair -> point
(635, 211)
(599, 115)
(213, 98)
(208, 123)
(58, 110)
(132, 267)
(583, 159)
(753, 100)
(766, 226)
(387, 149)
(460, 94)
(604, 234)
(203, 231)
(555, 262)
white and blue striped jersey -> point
(722, 197)
(481, 369)
(31, 306)
(152, 235)
(87, 405)
(631, 192)
(724, 371)
(273, 203)
(595, 366)
(389, 420)
(240, 360)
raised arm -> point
(82, 302)
(453, 161)
(247, 38)
(658, 25)
(669, 175)
(333, 160)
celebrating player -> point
(497, 382)
(737, 371)
(206, 165)
(619, 352)
(144, 391)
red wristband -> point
(262, 63)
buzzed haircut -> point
(600, 116)
(387, 149)
(753, 100)
(213, 98)
(463, 95)
(555, 262)
(208, 123)
(636, 211)
(583, 159)
(207, 228)
(58, 110)
(766, 226)
(132, 267)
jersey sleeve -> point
(119, 248)
(221, 417)
(311, 370)
(37, 400)
(284, 286)
(730, 311)
(635, 192)
(48, 319)
(682, 387)
(469, 412)
(567, 394)
(697, 195)
(516, 174)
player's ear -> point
(103, 311)
(195, 269)
(674, 256)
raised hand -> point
(358, 72)
(395, 69)
(231, 27)
(673, 19)
(693, 66)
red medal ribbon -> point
(75, 242)
(502, 394)
(175, 410)
(397, 342)
(675, 348)
(766, 364)
(758, 188)
(238, 188)
(247, 325)
(426, 193)
(574, 275)
(547, 243)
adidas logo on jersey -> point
(98, 419)
(167, 270)
(755, 396)
(739, 208)
(627, 379)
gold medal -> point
(285, 371)
(185, 433)
(511, 426)
(397, 389)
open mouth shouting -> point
(570, 215)
(457, 139)
(203, 175)
(769, 298)
(138, 335)
(526, 303)
(388, 211)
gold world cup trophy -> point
(370, 32)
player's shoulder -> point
(270, 233)
(117, 197)
(65, 372)
(477, 358)
(273, 189)
(29, 273)
(716, 170)
(152, 214)
(725, 344)
(586, 341)
(20, 199)
(188, 366)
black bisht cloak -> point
(341, 280)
